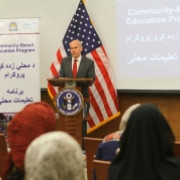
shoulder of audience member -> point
(114, 136)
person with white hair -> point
(108, 149)
(54, 156)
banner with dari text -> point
(19, 63)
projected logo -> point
(69, 101)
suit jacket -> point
(86, 70)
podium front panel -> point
(72, 125)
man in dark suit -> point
(85, 66)
(85, 69)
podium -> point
(69, 103)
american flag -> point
(104, 104)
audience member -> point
(107, 149)
(3, 124)
(146, 148)
(4, 120)
(35, 119)
(54, 156)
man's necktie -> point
(75, 68)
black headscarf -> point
(146, 148)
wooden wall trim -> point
(168, 102)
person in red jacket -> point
(34, 119)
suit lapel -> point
(70, 67)
(81, 67)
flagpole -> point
(104, 102)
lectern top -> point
(62, 81)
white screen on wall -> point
(148, 44)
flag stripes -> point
(103, 95)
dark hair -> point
(16, 174)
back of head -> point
(144, 125)
(126, 116)
(33, 120)
(146, 147)
(55, 156)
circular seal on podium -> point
(69, 101)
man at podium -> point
(79, 66)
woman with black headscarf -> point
(146, 148)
